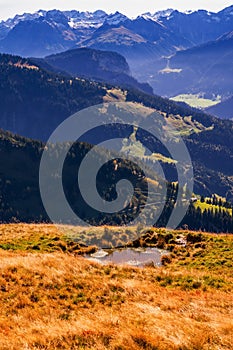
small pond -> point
(129, 256)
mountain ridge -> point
(75, 27)
(103, 66)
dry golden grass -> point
(57, 300)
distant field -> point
(168, 70)
(196, 100)
(52, 298)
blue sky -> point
(8, 8)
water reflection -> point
(130, 256)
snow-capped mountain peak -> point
(163, 13)
(115, 18)
(149, 17)
(79, 20)
(162, 32)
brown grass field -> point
(53, 298)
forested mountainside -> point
(35, 102)
(103, 66)
(20, 195)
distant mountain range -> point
(163, 31)
(199, 26)
(141, 39)
(168, 49)
(54, 31)
(65, 28)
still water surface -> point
(129, 256)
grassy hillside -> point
(52, 299)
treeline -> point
(210, 219)
(217, 201)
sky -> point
(132, 8)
